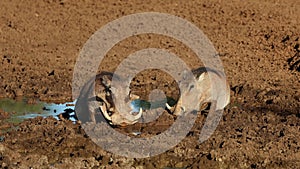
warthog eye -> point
(191, 87)
(182, 109)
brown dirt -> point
(258, 42)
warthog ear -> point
(106, 80)
(133, 96)
(186, 76)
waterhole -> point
(20, 110)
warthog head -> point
(97, 98)
(206, 80)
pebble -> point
(2, 138)
(2, 148)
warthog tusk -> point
(105, 114)
(168, 106)
(140, 114)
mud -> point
(258, 43)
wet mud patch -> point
(146, 130)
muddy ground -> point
(258, 42)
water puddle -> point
(20, 110)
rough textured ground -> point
(258, 42)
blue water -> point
(21, 110)
(51, 109)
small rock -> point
(179, 165)
(2, 148)
(46, 109)
(51, 73)
(3, 165)
(2, 138)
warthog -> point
(204, 86)
(101, 100)
(96, 98)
